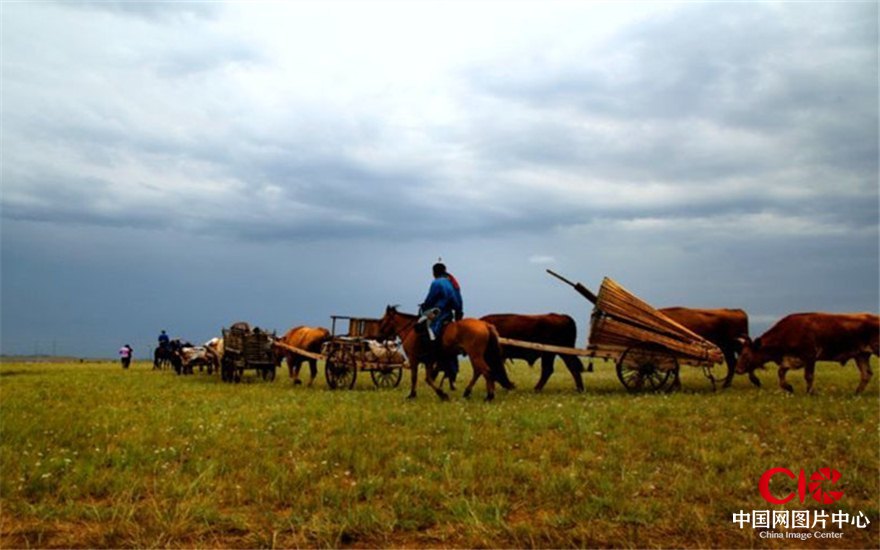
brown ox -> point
(551, 329)
(801, 339)
(726, 328)
(306, 338)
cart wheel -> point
(340, 375)
(339, 367)
(388, 377)
(226, 372)
(237, 375)
(646, 369)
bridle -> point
(410, 326)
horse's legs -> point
(546, 370)
(449, 371)
(864, 364)
(437, 372)
(470, 386)
(481, 367)
(490, 388)
(413, 377)
(289, 358)
(429, 379)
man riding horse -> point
(162, 355)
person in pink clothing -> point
(125, 353)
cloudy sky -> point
(182, 166)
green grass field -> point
(94, 456)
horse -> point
(163, 357)
(477, 339)
(306, 338)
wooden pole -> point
(298, 351)
(544, 347)
(582, 290)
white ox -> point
(215, 347)
(203, 356)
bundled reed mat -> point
(621, 320)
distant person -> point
(164, 340)
(125, 354)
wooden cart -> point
(246, 348)
(646, 346)
(357, 349)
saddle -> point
(431, 344)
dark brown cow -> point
(726, 328)
(550, 328)
(307, 338)
(801, 339)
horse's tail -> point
(494, 359)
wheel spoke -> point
(657, 379)
(640, 368)
(632, 379)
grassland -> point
(94, 456)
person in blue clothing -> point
(163, 340)
(445, 296)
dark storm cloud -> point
(756, 67)
(688, 105)
(709, 96)
(717, 154)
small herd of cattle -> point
(797, 341)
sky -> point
(183, 166)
